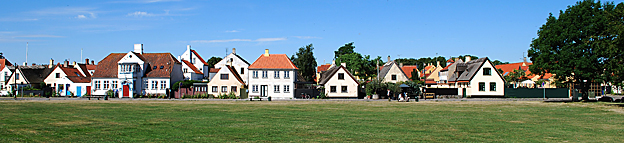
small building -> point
(273, 75)
(477, 78)
(339, 82)
(32, 76)
(392, 72)
(194, 66)
(69, 80)
(237, 62)
(228, 81)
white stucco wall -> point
(352, 85)
(479, 77)
(271, 81)
(237, 63)
(395, 70)
(229, 83)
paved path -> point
(355, 100)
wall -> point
(231, 81)
(537, 92)
(395, 70)
(352, 85)
(236, 63)
(479, 77)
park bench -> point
(429, 95)
(252, 97)
(96, 96)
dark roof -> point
(325, 76)
(235, 73)
(469, 69)
(35, 75)
(84, 70)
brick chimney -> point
(233, 50)
(86, 61)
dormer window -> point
(162, 67)
(129, 56)
(155, 67)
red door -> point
(88, 90)
(126, 92)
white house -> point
(241, 65)
(68, 79)
(28, 76)
(227, 81)
(272, 75)
(6, 70)
(392, 72)
(194, 66)
(477, 78)
(339, 82)
(136, 72)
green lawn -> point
(330, 121)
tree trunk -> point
(585, 90)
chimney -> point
(525, 59)
(388, 58)
(188, 47)
(34, 64)
(343, 64)
(65, 63)
(233, 50)
(86, 61)
(266, 52)
(25, 64)
(138, 48)
(92, 62)
(74, 64)
(467, 59)
(400, 65)
(438, 63)
(51, 65)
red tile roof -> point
(214, 70)
(4, 62)
(108, 66)
(200, 58)
(447, 66)
(450, 61)
(77, 79)
(71, 71)
(407, 69)
(91, 67)
(323, 68)
(192, 67)
(273, 61)
(513, 66)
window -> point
(234, 89)
(276, 74)
(344, 89)
(265, 74)
(276, 88)
(97, 84)
(341, 76)
(17, 76)
(492, 86)
(286, 74)
(332, 89)
(185, 69)
(163, 84)
(114, 85)
(155, 67)
(286, 88)
(225, 76)
(255, 74)
(224, 89)
(215, 89)
(58, 75)
(242, 71)
(162, 67)
(481, 86)
(106, 84)
(487, 71)
(254, 88)
(394, 77)
(154, 84)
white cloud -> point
(269, 39)
(239, 40)
(232, 31)
(140, 14)
(68, 11)
(81, 16)
(307, 37)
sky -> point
(66, 30)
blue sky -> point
(400, 28)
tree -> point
(305, 61)
(614, 63)
(574, 45)
(213, 60)
(497, 62)
(516, 76)
(346, 49)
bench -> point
(96, 96)
(429, 95)
(251, 97)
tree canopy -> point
(306, 62)
(346, 49)
(580, 45)
(213, 61)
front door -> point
(464, 92)
(88, 90)
(67, 92)
(78, 91)
(126, 91)
(264, 90)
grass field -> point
(314, 121)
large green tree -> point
(358, 64)
(614, 61)
(571, 45)
(305, 61)
(213, 60)
(346, 49)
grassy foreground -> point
(330, 121)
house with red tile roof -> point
(273, 75)
(237, 62)
(524, 66)
(6, 70)
(136, 73)
(434, 73)
(194, 66)
(69, 80)
(227, 81)
(320, 69)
